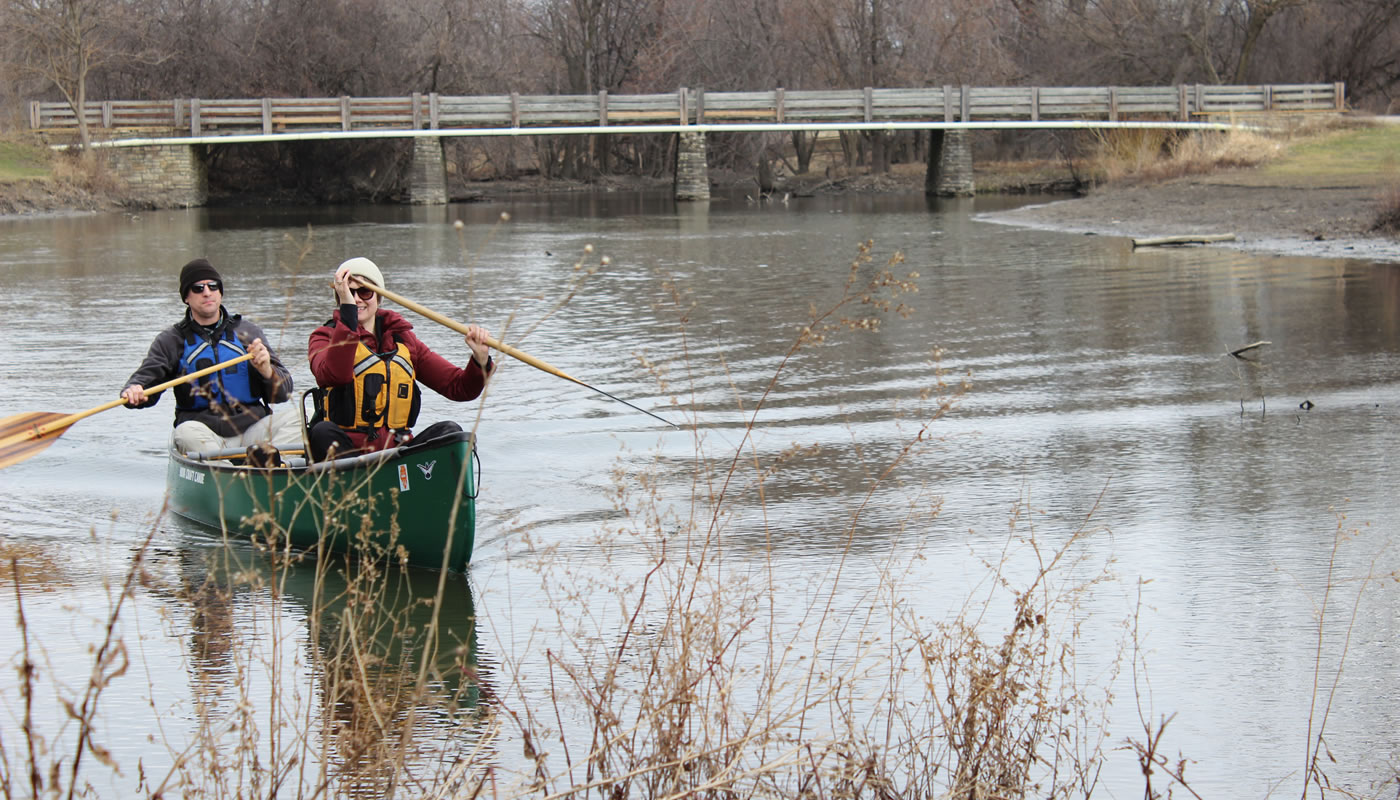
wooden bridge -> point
(948, 111)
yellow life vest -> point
(383, 394)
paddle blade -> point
(20, 437)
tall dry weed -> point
(52, 760)
(1388, 215)
(696, 676)
(392, 680)
(1337, 612)
(1157, 155)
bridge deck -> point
(686, 109)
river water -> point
(1229, 524)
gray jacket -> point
(229, 418)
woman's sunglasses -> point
(364, 292)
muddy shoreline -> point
(1322, 221)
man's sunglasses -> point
(208, 286)
(364, 292)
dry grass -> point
(30, 564)
(1158, 155)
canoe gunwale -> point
(217, 459)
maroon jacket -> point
(332, 354)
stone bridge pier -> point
(427, 177)
(692, 181)
(949, 164)
(166, 176)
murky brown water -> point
(1100, 383)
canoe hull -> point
(412, 504)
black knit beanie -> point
(194, 272)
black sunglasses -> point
(364, 292)
(208, 286)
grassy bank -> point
(1360, 156)
(1322, 154)
(35, 179)
(24, 161)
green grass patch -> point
(21, 160)
(1369, 154)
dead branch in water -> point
(1246, 348)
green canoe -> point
(414, 503)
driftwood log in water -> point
(1202, 238)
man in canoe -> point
(230, 408)
(368, 363)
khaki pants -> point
(281, 428)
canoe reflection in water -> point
(372, 670)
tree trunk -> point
(602, 157)
(1258, 13)
(765, 174)
(1254, 26)
(80, 96)
(879, 153)
(803, 145)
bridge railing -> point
(270, 115)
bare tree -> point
(1253, 16)
(1356, 42)
(598, 41)
(63, 42)
(598, 44)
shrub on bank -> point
(1388, 218)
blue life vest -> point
(220, 388)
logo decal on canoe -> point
(403, 477)
(428, 469)
(191, 474)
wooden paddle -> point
(23, 435)
(505, 348)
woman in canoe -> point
(368, 364)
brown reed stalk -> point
(109, 663)
(1320, 702)
(1148, 748)
(26, 689)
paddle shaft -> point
(462, 329)
(504, 348)
(41, 431)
